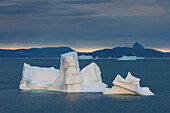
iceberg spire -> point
(129, 85)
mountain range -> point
(54, 52)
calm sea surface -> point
(154, 73)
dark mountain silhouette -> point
(137, 46)
(54, 52)
(136, 50)
(35, 52)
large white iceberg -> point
(129, 85)
(69, 79)
(34, 77)
(72, 80)
(91, 79)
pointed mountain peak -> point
(137, 46)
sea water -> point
(154, 73)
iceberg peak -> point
(129, 85)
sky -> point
(85, 25)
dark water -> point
(153, 73)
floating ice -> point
(124, 57)
(34, 77)
(91, 79)
(96, 58)
(72, 80)
(129, 85)
(69, 79)
(127, 58)
(139, 58)
(85, 57)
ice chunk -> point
(91, 79)
(96, 58)
(72, 80)
(118, 90)
(128, 58)
(34, 77)
(69, 79)
(124, 57)
(129, 85)
(85, 57)
(140, 58)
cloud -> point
(85, 23)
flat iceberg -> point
(129, 85)
(140, 58)
(34, 77)
(91, 79)
(124, 57)
(85, 57)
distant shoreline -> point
(88, 59)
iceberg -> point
(128, 58)
(34, 77)
(96, 58)
(85, 57)
(72, 80)
(124, 57)
(129, 85)
(140, 58)
(91, 79)
(69, 79)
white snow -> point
(85, 57)
(129, 85)
(34, 77)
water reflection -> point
(124, 96)
(72, 96)
(92, 95)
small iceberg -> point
(34, 77)
(96, 58)
(85, 57)
(139, 58)
(124, 57)
(127, 58)
(129, 85)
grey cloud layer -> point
(85, 23)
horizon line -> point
(80, 49)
